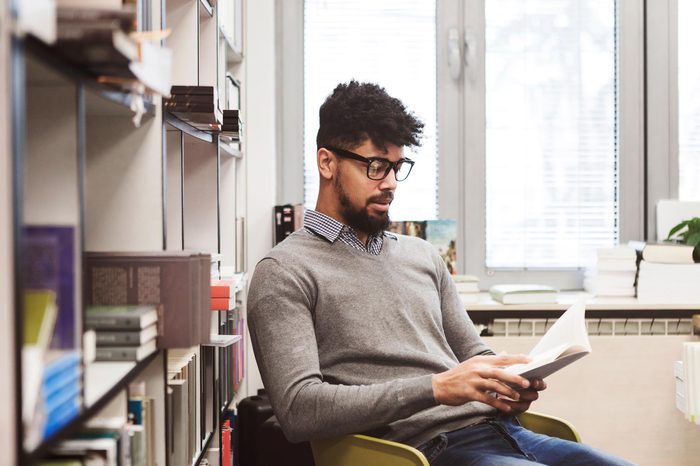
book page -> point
(565, 342)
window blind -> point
(388, 42)
(688, 101)
(551, 125)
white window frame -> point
(461, 135)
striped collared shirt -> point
(333, 230)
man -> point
(356, 329)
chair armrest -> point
(351, 450)
(549, 425)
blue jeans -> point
(504, 442)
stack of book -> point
(190, 420)
(231, 127)
(102, 37)
(523, 294)
(223, 295)
(687, 374)
(197, 106)
(668, 274)
(467, 287)
(180, 281)
(101, 441)
(124, 333)
(614, 273)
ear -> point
(327, 163)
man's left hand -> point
(527, 396)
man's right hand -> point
(479, 379)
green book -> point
(120, 317)
(523, 294)
(39, 317)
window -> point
(688, 101)
(541, 119)
(551, 122)
(375, 41)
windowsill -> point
(567, 298)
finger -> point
(504, 377)
(499, 389)
(538, 384)
(529, 395)
(509, 359)
(517, 407)
(496, 401)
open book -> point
(565, 342)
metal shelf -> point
(185, 127)
(49, 57)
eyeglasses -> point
(377, 167)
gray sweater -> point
(347, 341)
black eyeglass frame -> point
(368, 160)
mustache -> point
(385, 198)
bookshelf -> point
(78, 160)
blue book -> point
(60, 382)
(61, 416)
(136, 410)
(49, 263)
(53, 403)
(59, 362)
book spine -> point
(221, 291)
(221, 304)
(118, 338)
(113, 322)
(106, 353)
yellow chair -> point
(362, 450)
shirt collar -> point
(330, 228)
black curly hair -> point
(356, 111)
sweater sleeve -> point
(459, 329)
(281, 323)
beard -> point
(359, 218)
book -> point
(467, 287)
(284, 221)
(668, 283)
(175, 106)
(49, 263)
(39, 317)
(120, 317)
(523, 294)
(222, 304)
(126, 338)
(125, 353)
(621, 252)
(223, 288)
(564, 343)
(442, 234)
(192, 90)
(616, 265)
(178, 280)
(668, 253)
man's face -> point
(364, 203)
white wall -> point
(259, 53)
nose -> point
(389, 182)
